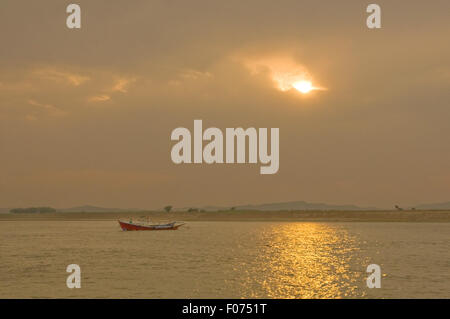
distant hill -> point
(301, 205)
(95, 209)
(296, 205)
(445, 205)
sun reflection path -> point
(307, 260)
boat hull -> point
(134, 227)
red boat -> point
(127, 226)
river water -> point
(225, 260)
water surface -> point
(225, 260)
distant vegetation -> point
(168, 208)
(32, 210)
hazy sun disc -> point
(303, 86)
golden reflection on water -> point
(306, 260)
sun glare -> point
(303, 86)
(286, 74)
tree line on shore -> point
(32, 210)
(38, 210)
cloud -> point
(283, 70)
(56, 75)
(99, 98)
(62, 85)
(191, 74)
(122, 84)
(43, 109)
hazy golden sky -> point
(86, 115)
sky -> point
(86, 115)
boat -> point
(128, 226)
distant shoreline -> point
(306, 216)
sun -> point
(286, 73)
(303, 86)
